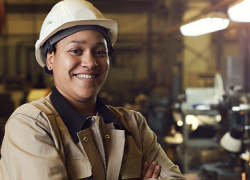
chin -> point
(87, 94)
(86, 97)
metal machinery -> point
(194, 111)
(232, 134)
(238, 103)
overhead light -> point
(239, 11)
(212, 22)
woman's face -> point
(80, 65)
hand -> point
(153, 171)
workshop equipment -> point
(232, 141)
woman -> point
(71, 134)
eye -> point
(76, 51)
(101, 53)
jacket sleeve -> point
(28, 151)
(152, 151)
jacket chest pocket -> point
(79, 169)
(132, 160)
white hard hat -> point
(69, 13)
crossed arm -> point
(152, 152)
(152, 171)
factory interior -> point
(189, 78)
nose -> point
(88, 60)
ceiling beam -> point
(109, 6)
(220, 4)
(158, 3)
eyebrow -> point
(78, 42)
(84, 42)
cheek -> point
(103, 65)
(68, 64)
(106, 66)
(65, 63)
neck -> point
(86, 107)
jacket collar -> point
(76, 121)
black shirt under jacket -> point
(76, 121)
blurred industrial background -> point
(193, 89)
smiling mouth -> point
(85, 76)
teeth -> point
(85, 76)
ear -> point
(50, 59)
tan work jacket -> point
(38, 146)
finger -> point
(150, 170)
(157, 171)
(144, 169)
(159, 177)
